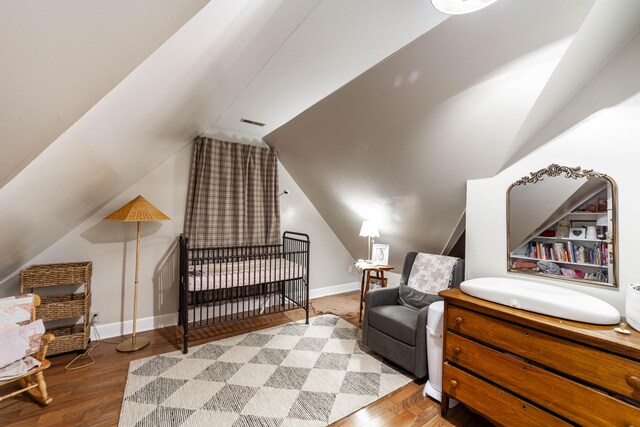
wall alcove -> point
(561, 224)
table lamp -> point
(138, 210)
(369, 229)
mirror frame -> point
(555, 170)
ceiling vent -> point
(251, 122)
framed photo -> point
(582, 224)
(380, 254)
(578, 233)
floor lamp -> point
(138, 210)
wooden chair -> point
(33, 382)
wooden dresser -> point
(519, 368)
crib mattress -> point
(244, 273)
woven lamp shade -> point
(139, 209)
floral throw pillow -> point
(19, 341)
(19, 337)
(16, 310)
(431, 274)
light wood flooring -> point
(93, 396)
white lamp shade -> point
(369, 229)
(460, 7)
(602, 221)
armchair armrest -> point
(421, 331)
(381, 296)
(46, 340)
(374, 298)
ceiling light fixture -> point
(460, 7)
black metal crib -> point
(219, 285)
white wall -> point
(598, 129)
(606, 142)
(166, 187)
(331, 263)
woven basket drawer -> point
(56, 274)
(69, 338)
(63, 306)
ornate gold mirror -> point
(562, 224)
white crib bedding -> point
(244, 273)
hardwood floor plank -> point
(93, 396)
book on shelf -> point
(569, 252)
(572, 255)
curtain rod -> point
(260, 141)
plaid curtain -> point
(233, 195)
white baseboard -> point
(116, 329)
(333, 290)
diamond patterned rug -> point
(292, 375)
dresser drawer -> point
(499, 406)
(560, 395)
(609, 371)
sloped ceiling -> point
(337, 41)
(61, 57)
(617, 83)
(235, 58)
(398, 143)
(607, 28)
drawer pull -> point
(459, 320)
(456, 350)
(634, 382)
(454, 383)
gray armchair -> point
(395, 320)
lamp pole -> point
(135, 289)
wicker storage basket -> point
(69, 338)
(56, 274)
(68, 306)
(63, 306)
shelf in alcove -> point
(524, 257)
(587, 214)
(566, 239)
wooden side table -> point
(369, 273)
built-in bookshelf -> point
(581, 256)
(587, 252)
